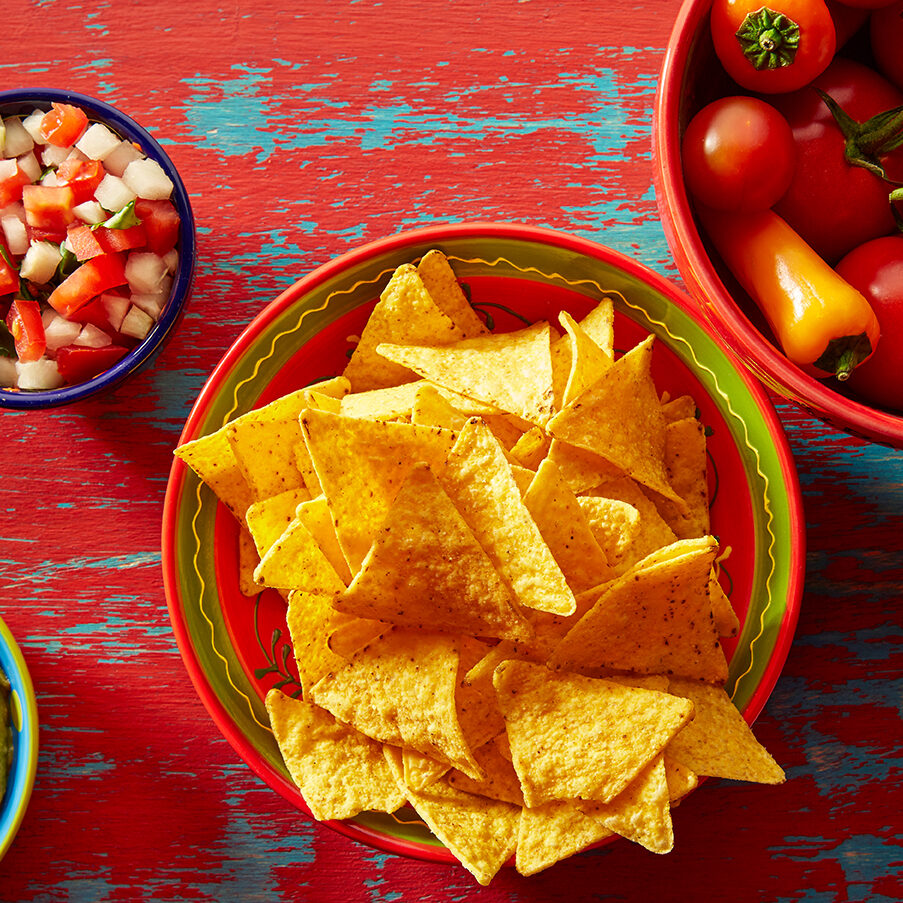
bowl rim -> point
(424, 236)
(746, 342)
(172, 312)
(22, 775)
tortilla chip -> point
(681, 780)
(511, 370)
(599, 325)
(530, 448)
(565, 529)
(211, 458)
(726, 621)
(442, 284)
(481, 833)
(248, 559)
(681, 408)
(420, 771)
(580, 737)
(401, 690)
(719, 743)
(654, 619)
(269, 518)
(582, 469)
(588, 360)
(552, 832)
(311, 618)
(686, 463)
(392, 403)
(501, 781)
(619, 418)
(478, 480)
(431, 408)
(405, 314)
(426, 570)
(296, 561)
(642, 811)
(338, 771)
(615, 525)
(361, 465)
(265, 452)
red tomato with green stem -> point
(876, 270)
(738, 154)
(886, 34)
(834, 204)
(775, 47)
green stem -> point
(768, 39)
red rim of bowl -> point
(221, 717)
(692, 258)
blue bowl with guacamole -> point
(18, 738)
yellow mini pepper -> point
(822, 323)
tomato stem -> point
(844, 354)
(769, 39)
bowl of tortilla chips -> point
(18, 738)
(478, 546)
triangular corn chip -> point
(579, 737)
(426, 570)
(401, 690)
(654, 619)
(442, 284)
(642, 811)
(311, 618)
(405, 314)
(338, 771)
(511, 370)
(588, 360)
(361, 465)
(719, 742)
(565, 529)
(392, 403)
(480, 833)
(619, 418)
(296, 561)
(552, 832)
(479, 481)
(269, 518)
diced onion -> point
(40, 374)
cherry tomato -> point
(832, 204)
(63, 124)
(773, 48)
(886, 30)
(876, 269)
(847, 20)
(738, 154)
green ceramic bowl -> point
(235, 647)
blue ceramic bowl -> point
(25, 100)
(24, 712)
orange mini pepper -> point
(822, 323)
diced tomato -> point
(11, 186)
(95, 313)
(82, 176)
(57, 236)
(78, 363)
(83, 242)
(48, 207)
(63, 124)
(9, 275)
(161, 223)
(121, 239)
(27, 328)
(92, 278)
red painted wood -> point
(301, 132)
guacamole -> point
(6, 734)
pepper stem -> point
(844, 354)
(768, 39)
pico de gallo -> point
(89, 247)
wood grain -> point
(301, 132)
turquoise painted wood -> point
(301, 131)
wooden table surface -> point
(301, 132)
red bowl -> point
(691, 77)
